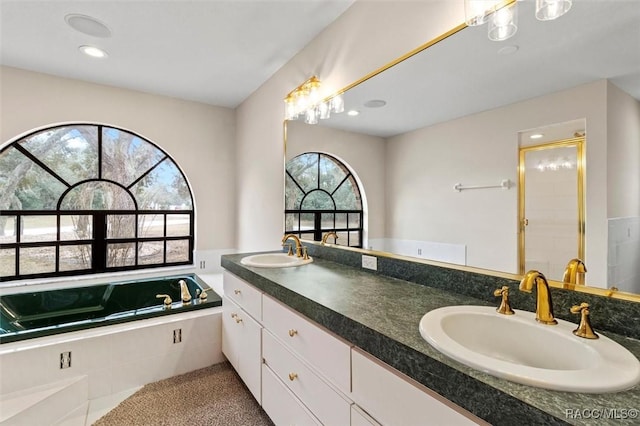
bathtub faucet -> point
(184, 292)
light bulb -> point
(324, 111)
(290, 112)
(503, 23)
(476, 12)
(547, 10)
(313, 88)
(311, 116)
(337, 104)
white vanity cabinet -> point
(302, 374)
(242, 333)
(309, 361)
(392, 398)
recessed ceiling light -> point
(93, 51)
(375, 103)
(508, 50)
(87, 25)
(353, 113)
(536, 136)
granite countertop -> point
(380, 315)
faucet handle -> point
(305, 255)
(202, 294)
(584, 328)
(290, 252)
(167, 299)
(505, 307)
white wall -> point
(482, 149)
(623, 180)
(363, 153)
(623, 143)
(359, 42)
(199, 137)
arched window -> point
(322, 195)
(85, 198)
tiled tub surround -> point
(380, 314)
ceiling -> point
(467, 73)
(212, 51)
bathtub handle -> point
(202, 293)
(167, 299)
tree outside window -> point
(322, 195)
(88, 198)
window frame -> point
(99, 240)
(317, 230)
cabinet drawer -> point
(394, 399)
(324, 401)
(281, 405)
(245, 295)
(329, 355)
(360, 418)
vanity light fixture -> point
(502, 15)
(306, 101)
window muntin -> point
(90, 198)
(322, 195)
(71, 152)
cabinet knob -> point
(293, 332)
(233, 315)
(237, 291)
(238, 320)
(293, 376)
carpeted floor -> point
(212, 396)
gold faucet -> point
(297, 241)
(184, 292)
(574, 272)
(544, 307)
(327, 235)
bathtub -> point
(107, 354)
(35, 314)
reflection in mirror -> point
(459, 111)
(551, 206)
(322, 195)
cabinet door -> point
(242, 345)
(281, 405)
(230, 332)
(392, 399)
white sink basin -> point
(274, 260)
(517, 348)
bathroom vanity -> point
(329, 343)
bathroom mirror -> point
(458, 112)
